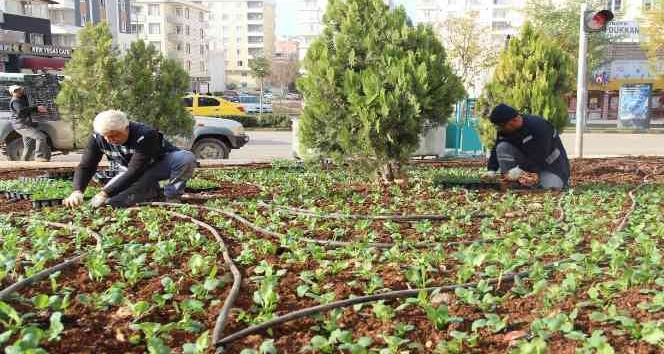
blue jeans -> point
(177, 167)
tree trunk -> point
(260, 113)
(393, 173)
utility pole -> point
(589, 21)
(581, 84)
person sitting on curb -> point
(527, 143)
(21, 118)
(145, 158)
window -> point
(202, 66)
(178, 29)
(26, 8)
(256, 52)
(238, 29)
(189, 68)
(238, 39)
(202, 34)
(188, 101)
(178, 47)
(201, 17)
(202, 49)
(136, 28)
(156, 45)
(178, 11)
(239, 63)
(154, 28)
(37, 38)
(617, 5)
(237, 52)
(186, 13)
(153, 10)
(255, 28)
(647, 5)
(187, 30)
(188, 48)
(225, 29)
(207, 101)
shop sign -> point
(623, 31)
(34, 49)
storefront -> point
(32, 58)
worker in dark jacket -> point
(527, 143)
(34, 141)
(145, 157)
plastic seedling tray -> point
(38, 204)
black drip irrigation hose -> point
(6, 292)
(326, 243)
(400, 294)
(222, 318)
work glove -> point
(514, 173)
(75, 199)
(99, 200)
(490, 174)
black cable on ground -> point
(222, 318)
(399, 294)
(4, 294)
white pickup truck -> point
(212, 138)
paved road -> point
(267, 145)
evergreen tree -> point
(92, 79)
(153, 88)
(533, 75)
(372, 82)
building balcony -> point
(174, 19)
(174, 37)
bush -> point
(267, 121)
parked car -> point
(231, 95)
(211, 106)
(212, 138)
(292, 96)
(251, 104)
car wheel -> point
(211, 148)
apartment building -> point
(177, 28)
(503, 17)
(310, 21)
(25, 38)
(245, 30)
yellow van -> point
(211, 106)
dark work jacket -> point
(22, 112)
(144, 147)
(541, 145)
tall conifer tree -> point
(533, 75)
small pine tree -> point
(372, 83)
(153, 88)
(92, 78)
(533, 75)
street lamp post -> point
(581, 84)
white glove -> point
(490, 174)
(99, 200)
(514, 173)
(75, 199)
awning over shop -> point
(614, 85)
(65, 29)
(36, 63)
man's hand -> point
(514, 173)
(75, 199)
(99, 200)
(42, 109)
(490, 174)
